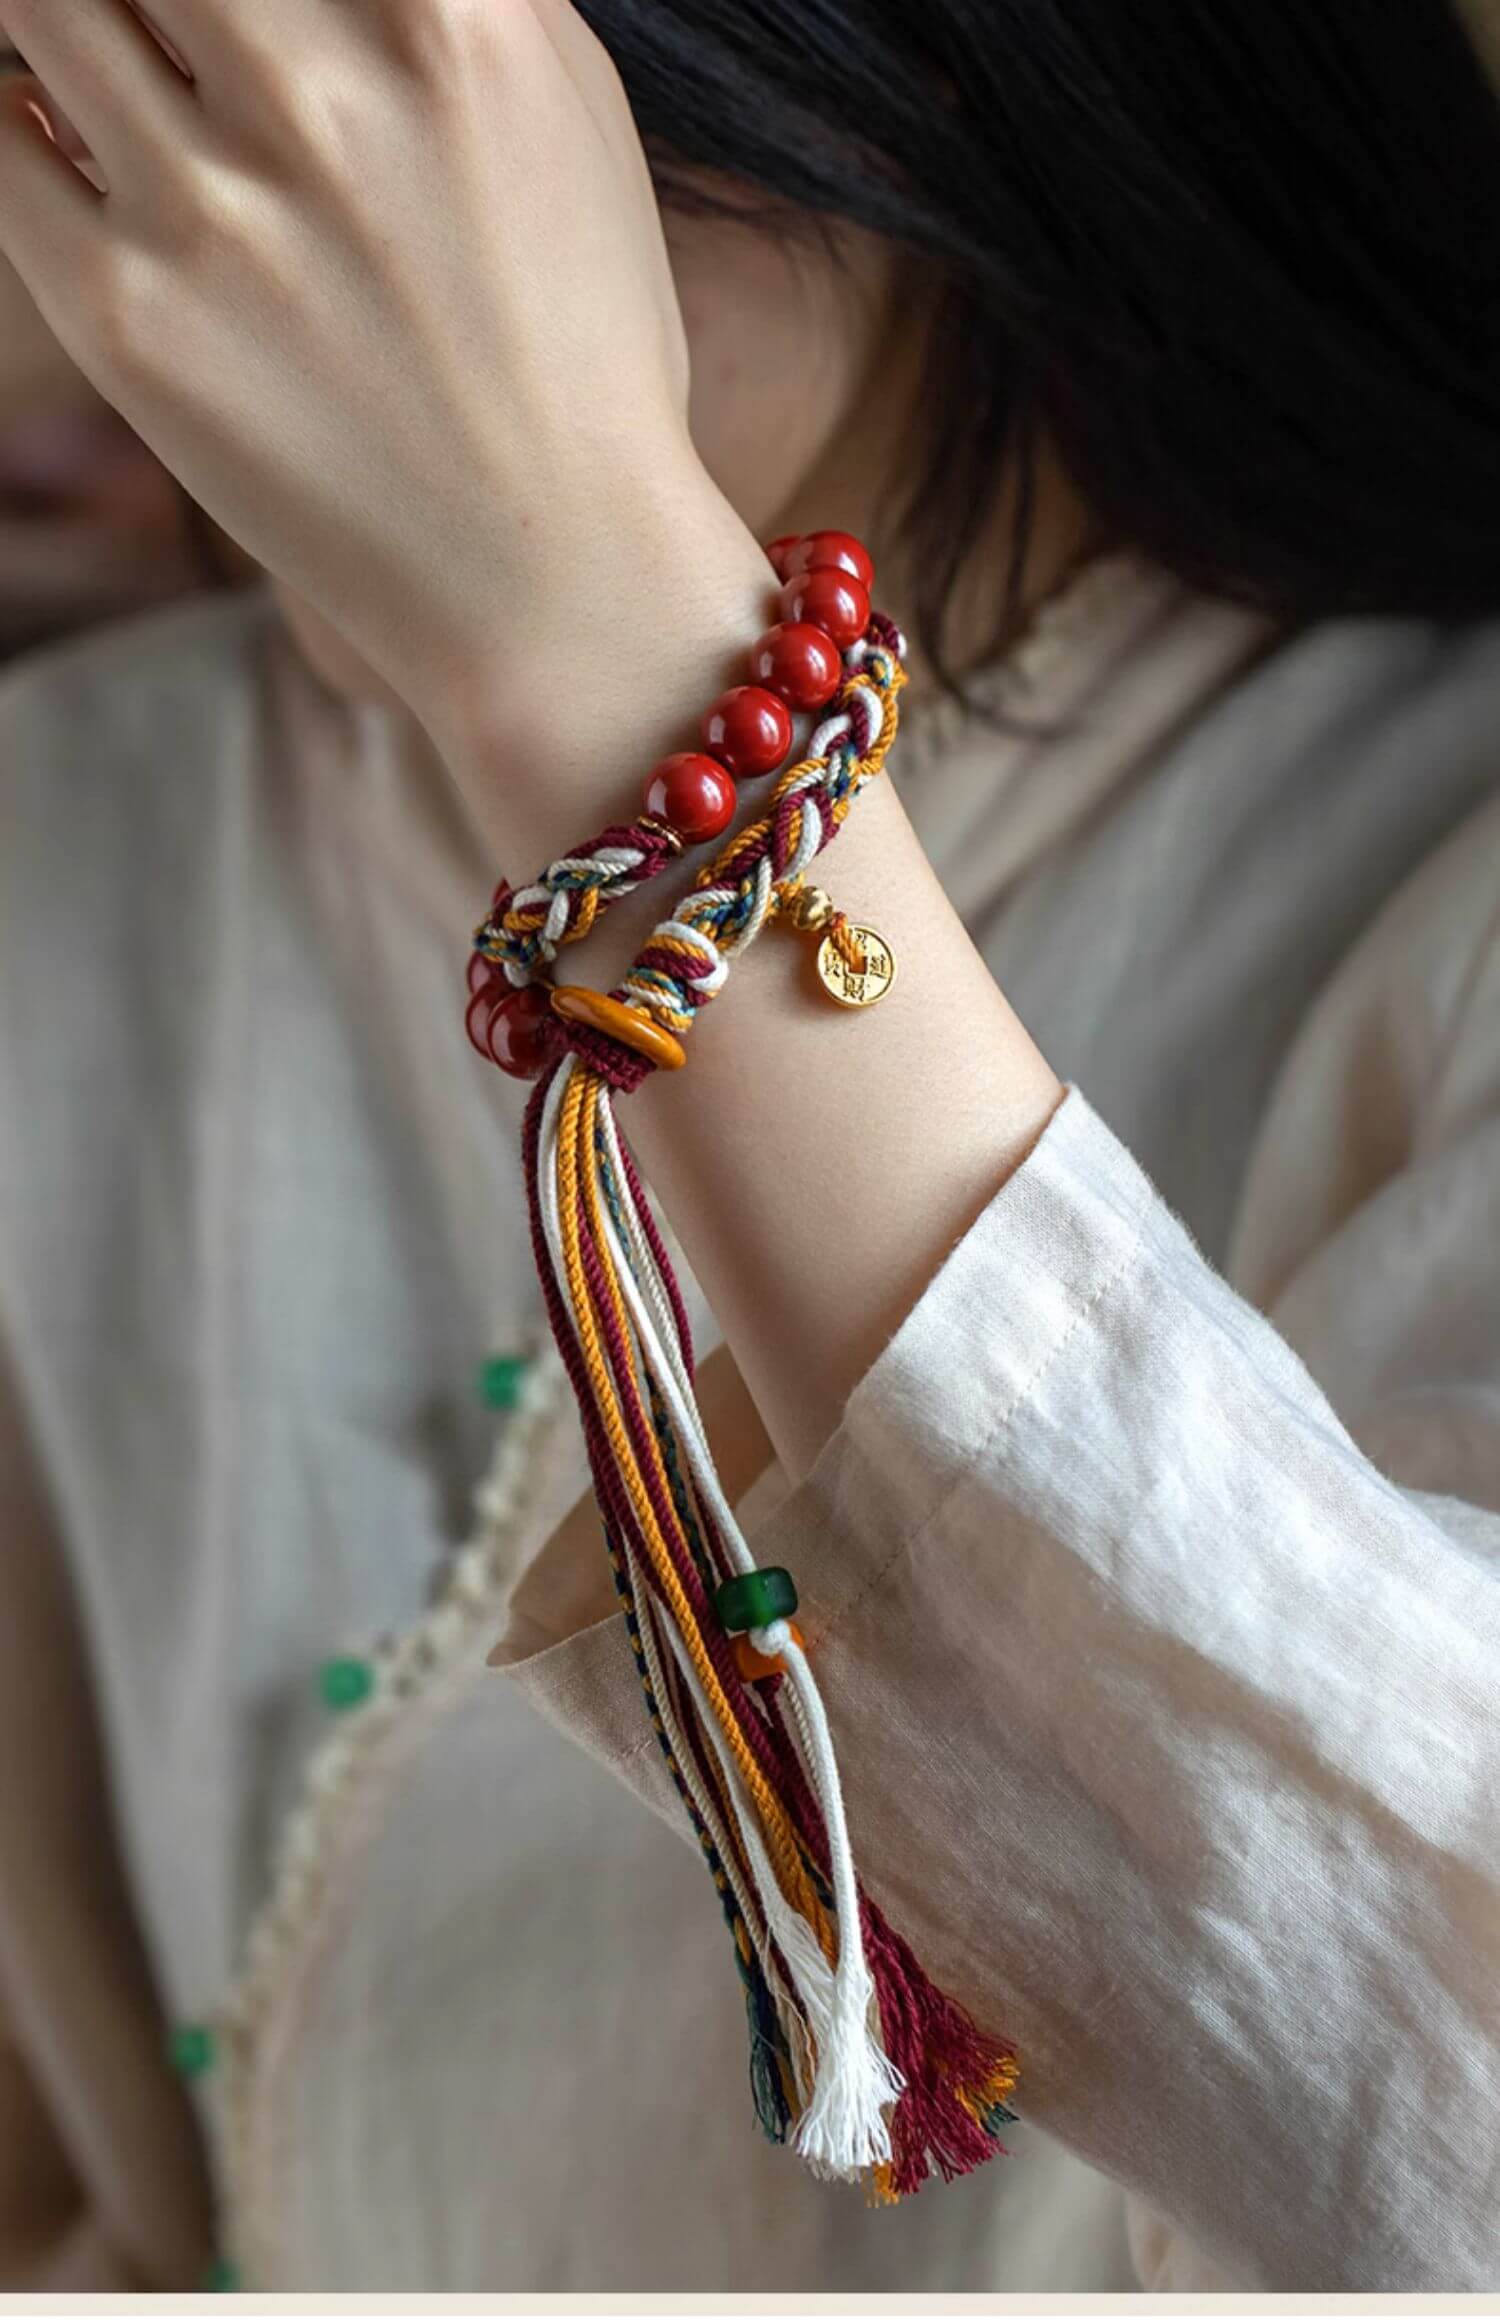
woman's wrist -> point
(906, 1125)
(818, 1164)
(552, 723)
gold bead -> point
(810, 909)
(663, 830)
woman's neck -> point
(849, 487)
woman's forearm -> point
(467, 445)
(817, 1163)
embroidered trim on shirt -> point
(451, 1635)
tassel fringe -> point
(857, 2061)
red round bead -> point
(837, 549)
(832, 600)
(749, 731)
(780, 552)
(487, 984)
(483, 973)
(520, 1031)
(474, 1018)
(692, 793)
(800, 663)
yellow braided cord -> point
(846, 943)
(652, 986)
(525, 919)
(757, 831)
(576, 1142)
(577, 1170)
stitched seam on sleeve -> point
(1002, 1420)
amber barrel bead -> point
(632, 1027)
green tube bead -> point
(752, 1600)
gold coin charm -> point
(843, 981)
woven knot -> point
(792, 840)
(527, 927)
(621, 1067)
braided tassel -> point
(857, 2060)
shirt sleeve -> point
(1167, 1715)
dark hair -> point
(1238, 259)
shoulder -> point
(168, 648)
(138, 765)
(96, 714)
(1366, 740)
(122, 753)
(1374, 673)
(115, 747)
(1387, 742)
(1408, 1000)
(1456, 907)
(1369, 742)
(1389, 1098)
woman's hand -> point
(385, 286)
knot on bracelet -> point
(888, 634)
(620, 1068)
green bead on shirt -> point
(501, 1378)
(345, 1683)
(191, 2049)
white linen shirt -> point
(1158, 1617)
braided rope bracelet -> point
(746, 733)
(857, 2059)
(760, 876)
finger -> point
(593, 72)
(49, 213)
(102, 65)
(578, 47)
(51, 216)
(169, 48)
(65, 137)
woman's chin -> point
(327, 654)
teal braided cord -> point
(666, 1434)
(770, 2058)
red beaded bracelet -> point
(796, 665)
